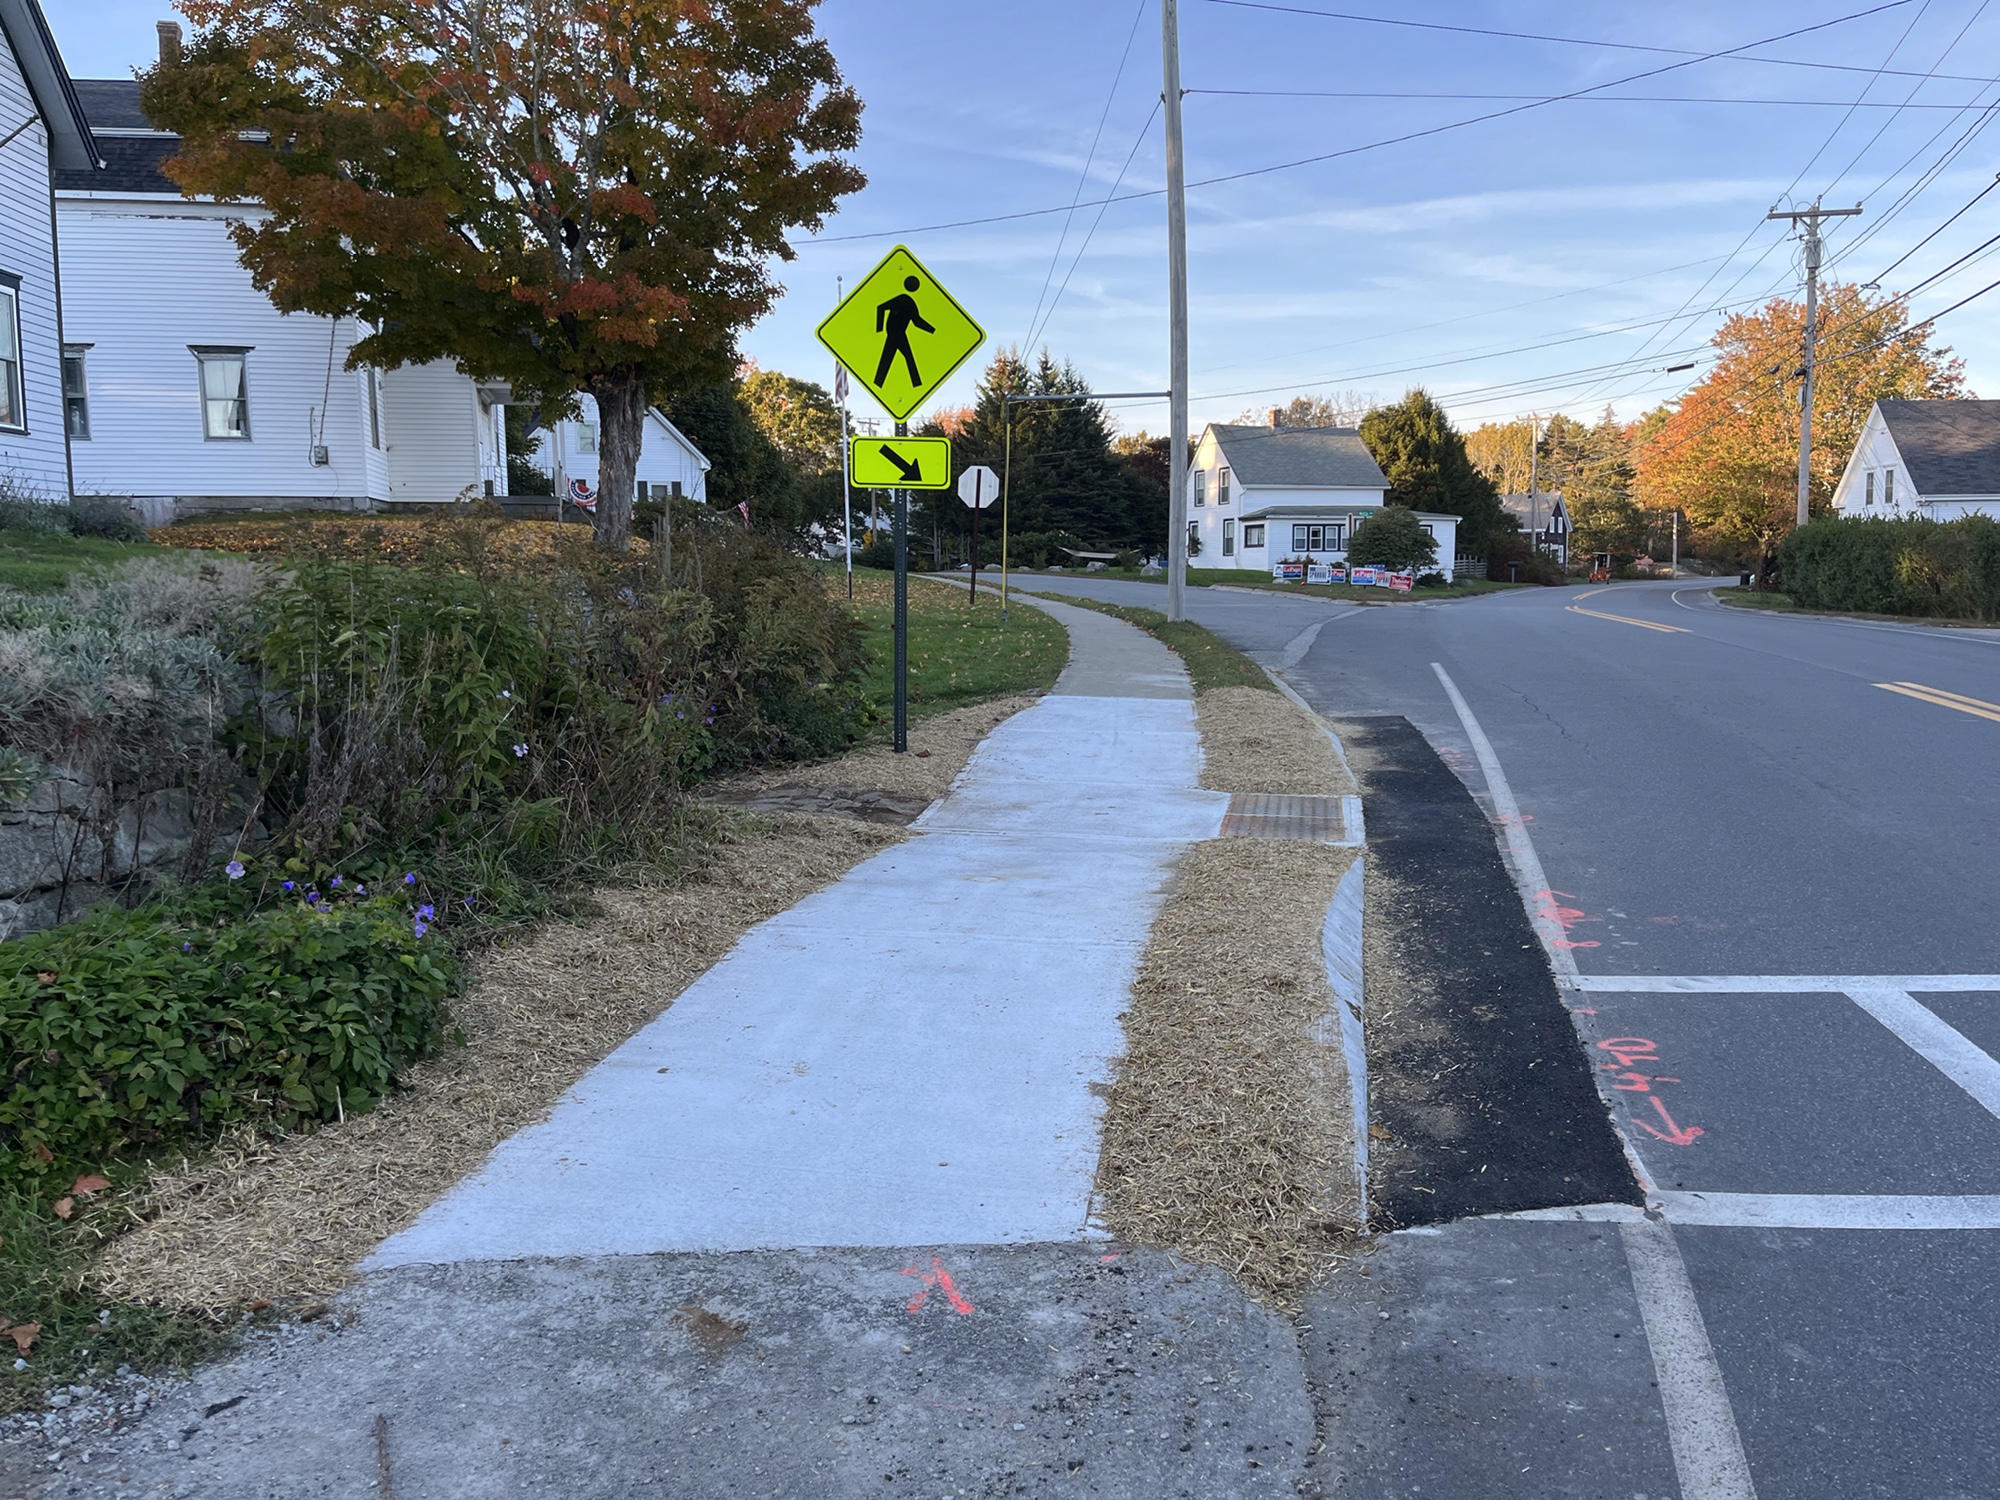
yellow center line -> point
(1979, 708)
(1577, 609)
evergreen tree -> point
(1427, 466)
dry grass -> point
(939, 748)
(1256, 741)
(286, 1219)
(1225, 1135)
(458, 536)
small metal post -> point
(978, 497)
(902, 731)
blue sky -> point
(1499, 264)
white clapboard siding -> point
(34, 460)
(144, 279)
(433, 419)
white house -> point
(1263, 495)
(669, 463)
(1937, 459)
(43, 129)
(190, 393)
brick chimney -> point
(170, 42)
(1274, 418)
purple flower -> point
(360, 890)
(520, 750)
(287, 885)
(505, 693)
(422, 928)
(324, 906)
(312, 898)
(187, 947)
(427, 912)
(234, 869)
(335, 880)
(709, 720)
(411, 878)
(468, 903)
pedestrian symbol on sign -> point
(900, 333)
(895, 318)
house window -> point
(1429, 530)
(1228, 538)
(76, 392)
(225, 395)
(13, 404)
(1201, 486)
(1221, 486)
(1323, 538)
(1253, 534)
(586, 437)
(1888, 486)
(374, 392)
(1868, 488)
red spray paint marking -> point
(937, 1276)
(1673, 1135)
(1550, 909)
(1627, 1050)
(1107, 1259)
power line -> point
(1090, 156)
(1137, 141)
(1592, 99)
(1397, 140)
(1949, 49)
(1571, 41)
(1882, 275)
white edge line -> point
(1340, 943)
(1891, 1211)
(1936, 1042)
(1701, 1426)
(1527, 865)
(1779, 984)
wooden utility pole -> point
(1811, 217)
(1177, 316)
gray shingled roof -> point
(1299, 457)
(1949, 447)
(131, 162)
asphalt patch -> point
(1480, 1098)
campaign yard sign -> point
(1402, 583)
(1364, 577)
(1288, 572)
(1319, 573)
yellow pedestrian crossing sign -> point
(900, 333)
(899, 463)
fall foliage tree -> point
(1728, 453)
(1334, 409)
(570, 195)
(1502, 452)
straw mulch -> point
(1258, 741)
(940, 745)
(1225, 1132)
(286, 1219)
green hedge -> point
(1945, 570)
(128, 1029)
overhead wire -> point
(1090, 156)
(1137, 141)
(1396, 140)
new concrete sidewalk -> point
(907, 1057)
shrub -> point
(1393, 537)
(1912, 566)
(112, 520)
(1433, 581)
(131, 1029)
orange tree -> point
(1727, 454)
(570, 195)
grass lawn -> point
(1741, 598)
(1211, 661)
(37, 563)
(960, 653)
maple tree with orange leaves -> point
(1727, 454)
(574, 196)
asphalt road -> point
(1774, 859)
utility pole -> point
(1534, 476)
(1811, 217)
(1177, 316)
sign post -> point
(976, 486)
(902, 335)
